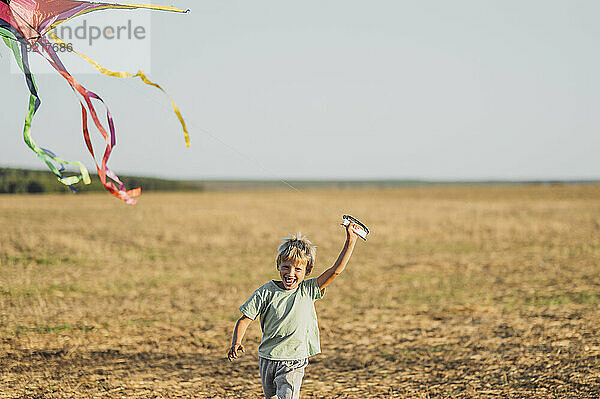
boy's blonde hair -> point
(299, 248)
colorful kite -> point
(26, 25)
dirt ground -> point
(464, 292)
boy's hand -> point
(233, 351)
(351, 231)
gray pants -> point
(281, 379)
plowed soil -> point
(463, 292)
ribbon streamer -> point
(26, 24)
(49, 158)
(139, 74)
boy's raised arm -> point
(330, 274)
(238, 334)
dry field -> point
(466, 292)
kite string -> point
(252, 159)
(216, 138)
(143, 77)
(249, 158)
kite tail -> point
(139, 74)
(54, 163)
(129, 196)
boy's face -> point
(292, 273)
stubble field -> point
(466, 292)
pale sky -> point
(343, 89)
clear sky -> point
(343, 89)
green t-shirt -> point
(287, 318)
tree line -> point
(23, 181)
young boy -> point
(287, 315)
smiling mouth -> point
(289, 281)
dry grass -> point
(460, 292)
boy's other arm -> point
(238, 334)
(330, 274)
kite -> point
(26, 25)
